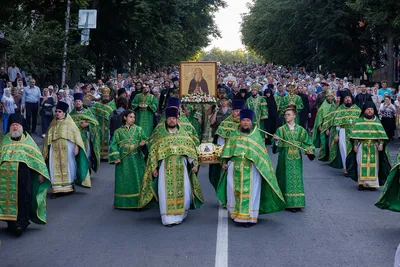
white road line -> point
(221, 254)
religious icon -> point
(198, 84)
(198, 78)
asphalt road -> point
(339, 227)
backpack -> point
(115, 122)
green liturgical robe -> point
(342, 124)
(61, 138)
(247, 158)
(183, 122)
(290, 100)
(289, 171)
(145, 107)
(222, 134)
(258, 104)
(103, 112)
(390, 194)
(369, 166)
(171, 153)
(319, 137)
(129, 172)
(12, 155)
(90, 135)
(196, 114)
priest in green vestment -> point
(173, 161)
(289, 170)
(64, 149)
(102, 110)
(343, 119)
(369, 165)
(194, 112)
(224, 131)
(90, 130)
(145, 106)
(291, 99)
(24, 179)
(320, 138)
(248, 187)
(258, 105)
(126, 153)
(182, 121)
(389, 198)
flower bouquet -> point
(198, 98)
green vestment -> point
(258, 104)
(365, 134)
(103, 112)
(59, 132)
(196, 114)
(145, 107)
(182, 121)
(319, 138)
(173, 148)
(289, 171)
(129, 172)
(244, 150)
(390, 194)
(344, 118)
(290, 100)
(11, 154)
(93, 130)
(225, 130)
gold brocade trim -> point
(127, 195)
(295, 195)
(60, 162)
(113, 153)
(21, 144)
(8, 218)
(368, 131)
(268, 167)
(369, 123)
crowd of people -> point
(138, 123)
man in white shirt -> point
(13, 70)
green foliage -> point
(228, 57)
(150, 33)
(313, 33)
(130, 34)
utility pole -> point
(64, 64)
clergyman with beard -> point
(248, 187)
(370, 165)
(24, 179)
(173, 162)
(340, 129)
(103, 110)
(198, 84)
(320, 136)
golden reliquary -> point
(209, 153)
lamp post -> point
(64, 64)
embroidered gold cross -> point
(243, 154)
(351, 121)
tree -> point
(309, 33)
(229, 57)
(382, 20)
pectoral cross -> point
(351, 121)
(243, 154)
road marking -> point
(221, 254)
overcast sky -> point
(228, 21)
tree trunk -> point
(390, 56)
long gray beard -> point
(16, 134)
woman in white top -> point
(388, 114)
(8, 107)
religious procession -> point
(159, 137)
